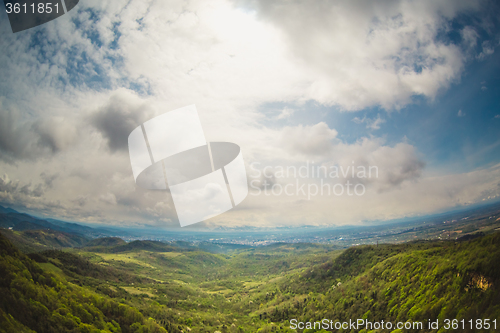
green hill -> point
(36, 300)
(147, 286)
(106, 241)
(211, 247)
(137, 245)
(417, 282)
(39, 240)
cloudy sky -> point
(411, 87)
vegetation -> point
(39, 240)
(113, 286)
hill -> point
(397, 283)
(137, 245)
(34, 300)
(14, 220)
(211, 247)
(39, 240)
(248, 290)
(106, 241)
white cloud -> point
(109, 198)
(428, 195)
(308, 140)
(488, 49)
(460, 113)
(360, 54)
(373, 124)
(285, 113)
(69, 100)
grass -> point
(131, 257)
(48, 267)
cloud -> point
(318, 144)
(488, 49)
(15, 189)
(469, 37)
(361, 54)
(285, 113)
(398, 164)
(14, 135)
(358, 120)
(430, 194)
(122, 113)
(373, 124)
(497, 116)
(56, 133)
(460, 113)
(84, 81)
(308, 140)
(31, 139)
(48, 179)
(109, 198)
(394, 165)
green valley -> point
(146, 286)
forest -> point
(145, 286)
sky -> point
(410, 89)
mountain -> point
(72, 227)
(21, 221)
(106, 241)
(138, 245)
(259, 289)
(7, 210)
(34, 300)
(14, 220)
(39, 240)
(413, 282)
(210, 247)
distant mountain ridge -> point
(106, 241)
(43, 239)
(33, 234)
(14, 220)
(137, 245)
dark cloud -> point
(15, 137)
(32, 139)
(81, 201)
(123, 112)
(18, 190)
(397, 165)
(48, 179)
(410, 170)
(56, 134)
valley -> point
(56, 281)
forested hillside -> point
(153, 287)
(36, 300)
(411, 282)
